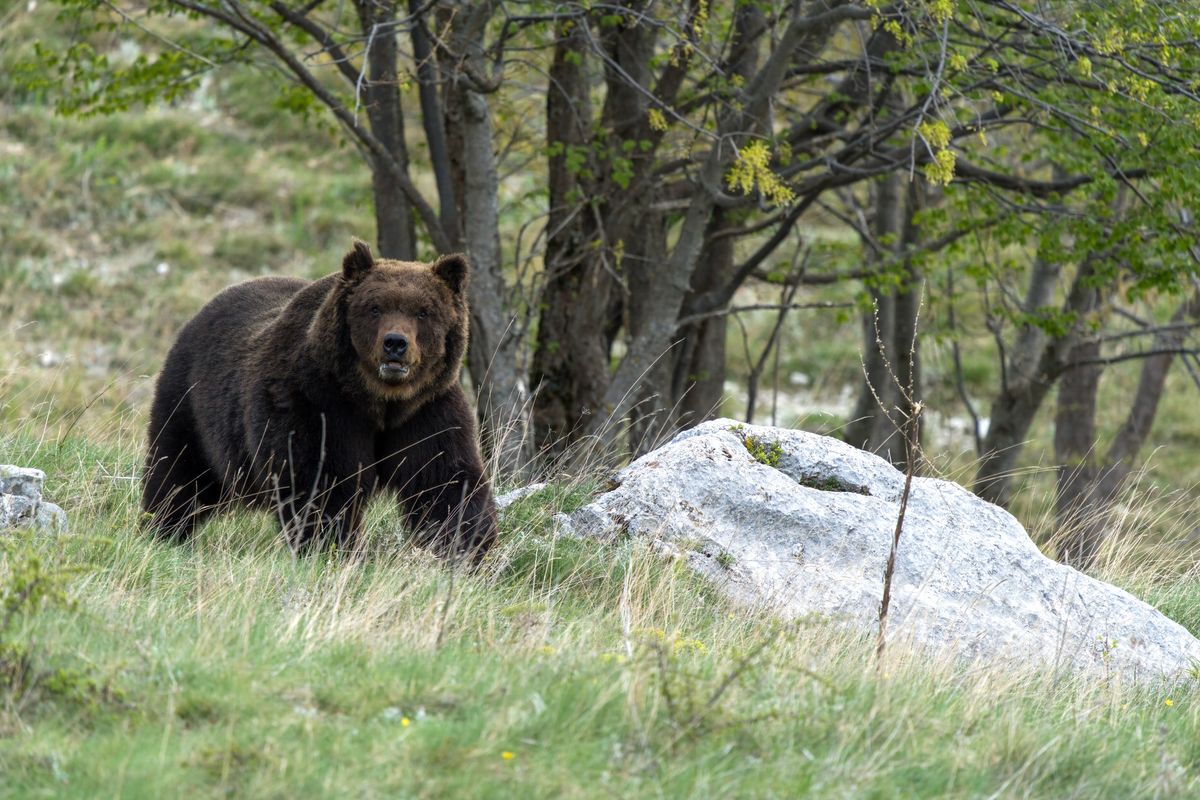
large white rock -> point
(810, 535)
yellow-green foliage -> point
(752, 170)
(936, 135)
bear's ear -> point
(358, 262)
(453, 271)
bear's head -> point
(407, 321)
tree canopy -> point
(1036, 161)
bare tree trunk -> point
(494, 351)
(870, 427)
(908, 372)
(1027, 377)
(1087, 487)
(395, 229)
(698, 375)
(570, 363)
(632, 227)
(1022, 359)
(1075, 435)
(904, 335)
(653, 418)
(433, 120)
(698, 383)
(1012, 414)
(668, 289)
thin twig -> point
(723, 312)
(889, 571)
(366, 58)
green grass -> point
(228, 666)
(117, 229)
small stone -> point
(48, 359)
(49, 518)
(22, 481)
(21, 504)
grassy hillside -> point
(229, 668)
(116, 229)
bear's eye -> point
(375, 312)
(423, 314)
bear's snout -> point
(396, 349)
(395, 345)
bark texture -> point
(570, 362)
(1089, 484)
(494, 354)
(394, 226)
(1030, 372)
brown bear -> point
(306, 397)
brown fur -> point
(278, 393)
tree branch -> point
(242, 22)
(967, 172)
(724, 312)
(432, 118)
(322, 36)
(1158, 351)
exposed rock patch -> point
(806, 531)
(21, 503)
(508, 498)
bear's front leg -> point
(433, 464)
(451, 510)
(319, 488)
(312, 518)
